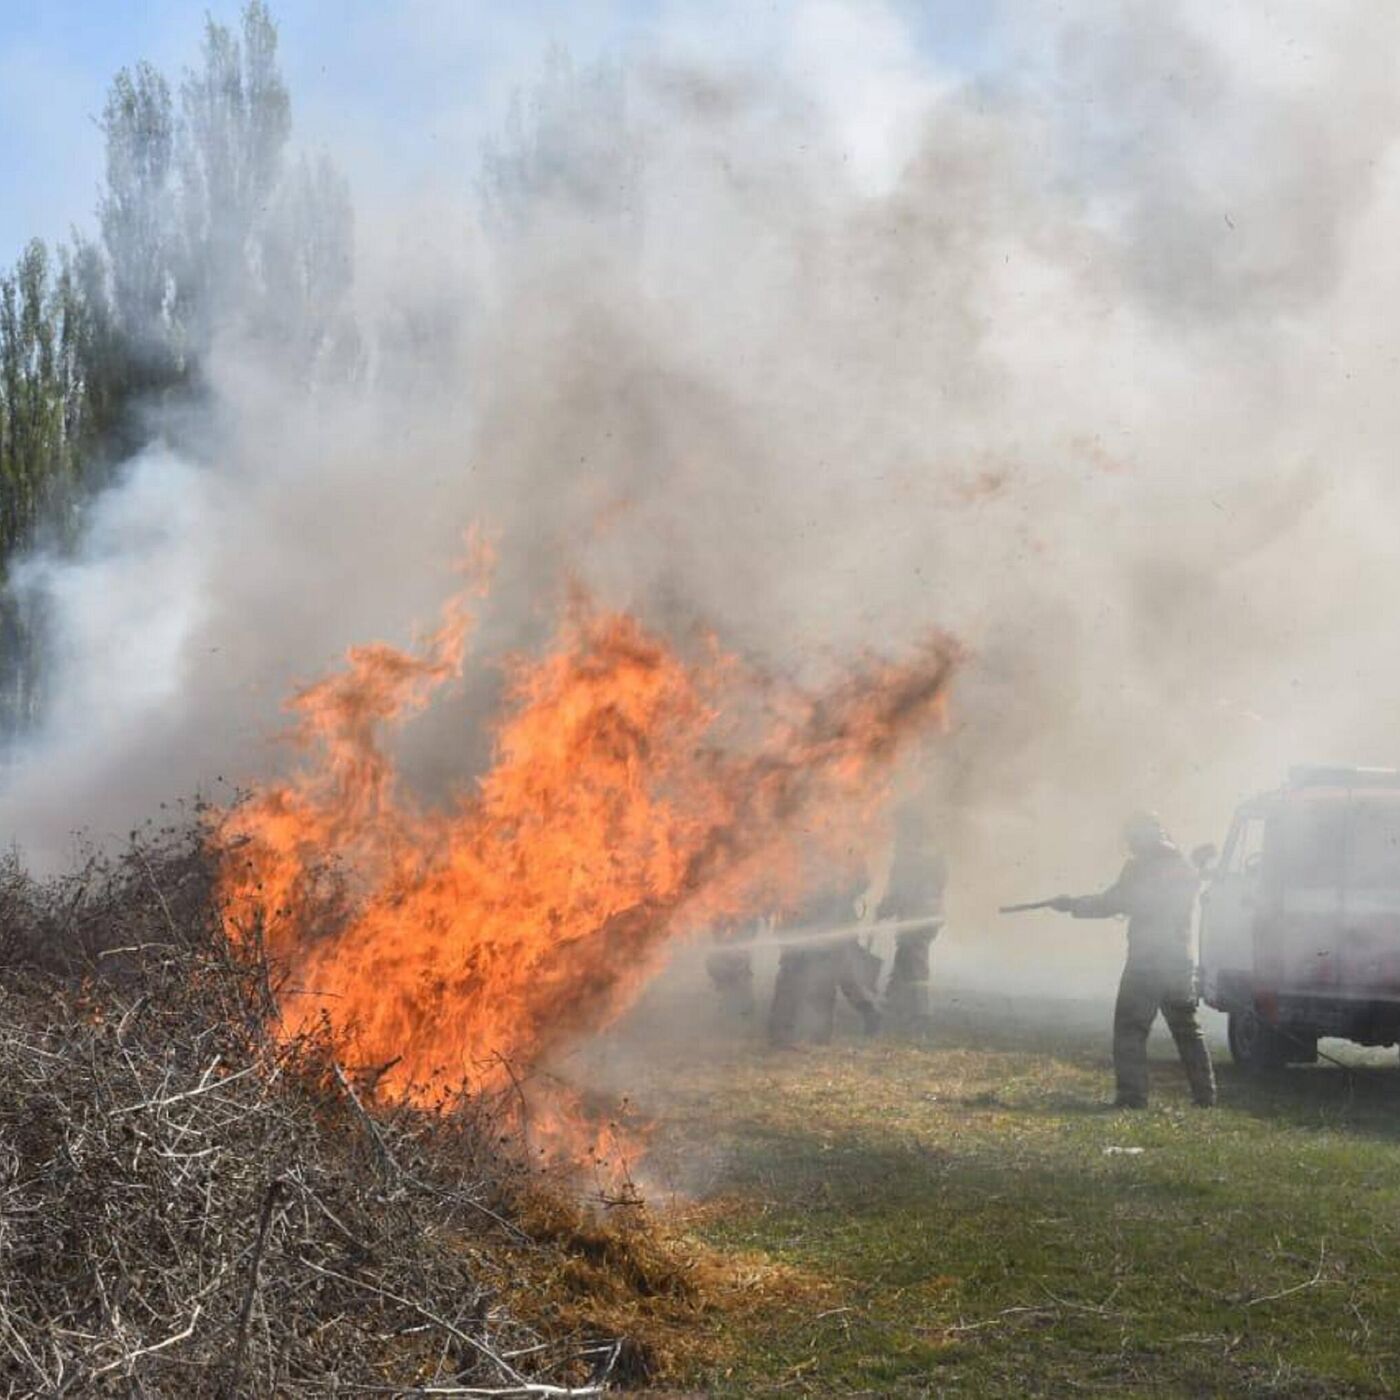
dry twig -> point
(190, 1207)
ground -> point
(963, 1216)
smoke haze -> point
(822, 342)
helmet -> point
(1143, 830)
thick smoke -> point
(823, 344)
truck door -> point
(1296, 941)
(1228, 909)
(1368, 950)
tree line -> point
(206, 229)
(207, 232)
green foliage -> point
(235, 122)
(135, 215)
(34, 389)
(204, 235)
(52, 323)
(572, 149)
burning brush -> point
(633, 795)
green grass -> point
(978, 1236)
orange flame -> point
(631, 795)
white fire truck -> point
(1300, 918)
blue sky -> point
(400, 87)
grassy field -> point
(968, 1219)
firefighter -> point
(730, 966)
(1156, 891)
(811, 971)
(918, 875)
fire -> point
(632, 794)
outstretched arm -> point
(1107, 904)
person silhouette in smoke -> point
(1156, 891)
(913, 896)
(813, 968)
(730, 967)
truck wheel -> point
(1255, 1045)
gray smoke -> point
(1079, 359)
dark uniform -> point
(730, 966)
(918, 877)
(811, 973)
(1156, 891)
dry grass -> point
(191, 1207)
(652, 1280)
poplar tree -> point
(205, 232)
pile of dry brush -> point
(191, 1207)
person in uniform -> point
(1156, 892)
(914, 891)
(813, 968)
(730, 967)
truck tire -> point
(1254, 1044)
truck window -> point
(1375, 844)
(1247, 847)
(1306, 844)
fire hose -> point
(800, 937)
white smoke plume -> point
(814, 337)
